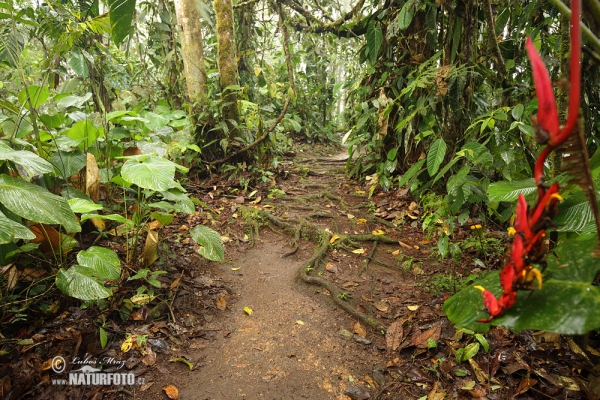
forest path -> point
(296, 343)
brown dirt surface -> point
(274, 321)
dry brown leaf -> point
(150, 253)
(12, 277)
(257, 200)
(370, 381)
(420, 339)
(132, 151)
(171, 392)
(48, 238)
(359, 330)
(98, 223)
(92, 178)
(331, 267)
(394, 335)
(480, 374)
(221, 303)
(238, 200)
(154, 225)
(150, 358)
(435, 393)
(524, 386)
(146, 386)
(175, 283)
(382, 306)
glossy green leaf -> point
(509, 191)
(68, 163)
(211, 244)
(153, 173)
(374, 40)
(121, 16)
(103, 263)
(407, 14)
(436, 155)
(78, 63)
(30, 163)
(80, 283)
(10, 230)
(37, 95)
(82, 206)
(84, 132)
(36, 204)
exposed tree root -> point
(323, 238)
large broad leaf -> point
(35, 94)
(68, 163)
(436, 155)
(80, 283)
(412, 171)
(374, 40)
(567, 304)
(84, 132)
(103, 263)
(121, 16)
(36, 203)
(182, 201)
(509, 191)
(153, 173)
(477, 153)
(30, 163)
(211, 245)
(406, 14)
(10, 230)
(79, 64)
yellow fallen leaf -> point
(413, 308)
(334, 238)
(360, 192)
(234, 269)
(225, 239)
(378, 232)
(127, 344)
(359, 251)
(350, 216)
(299, 322)
(361, 221)
(183, 360)
(396, 252)
(248, 310)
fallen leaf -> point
(175, 283)
(248, 310)
(225, 239)
(331, 267)
(234, 269)
(171, 392)
(221, 303)
(359, 330)
(361, 221)
(396, 252)
(182, 360)
(525, 385)
(359, 251)
(127, 344)
(350, 216)
(420, 339)
(146, 386)
(382, 306)
(378, 232)
(394, 335)
(150, 358)
(257, 200)
(150, 253)
(238, 200)
(333, 239)
(299, 322)
(413, 308)
(435, 393)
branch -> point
(585, 31)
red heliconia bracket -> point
(529, 242)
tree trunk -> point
(226, 62)
(190, 35)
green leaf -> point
(154, 173)
(103, 263)
(374, 40)
(31, 164)
(84, 132)
(211, 245)
(82, 206)
(36, 203)
(103, 337)
(10, 230)
(68, 163)
(443, 246)
(509, 191)
(406, 14)
(37, 94)
(471, 351)
(79, 282)
(183, 202)
(517, 111)
(483, 341)
(436, 155)
(121, 16)
(78, 63)
(410, 173)
(73, 101)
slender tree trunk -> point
(226, 62)
(190, 35)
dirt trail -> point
(289, 348)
